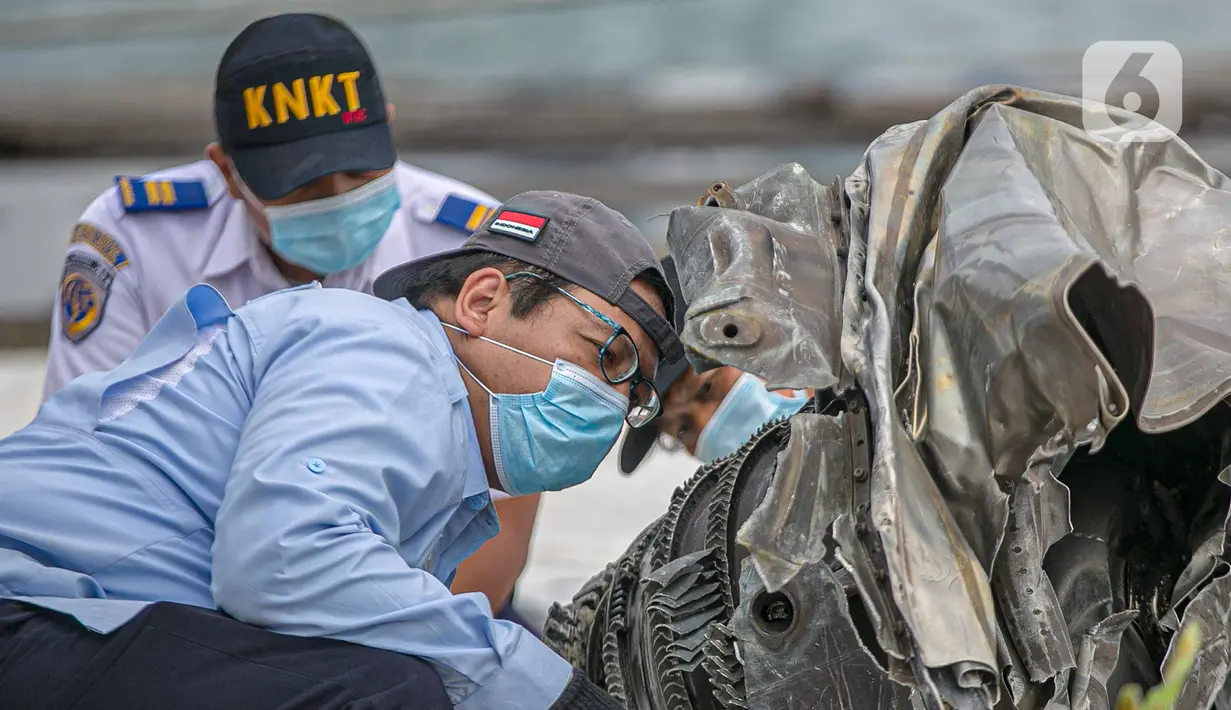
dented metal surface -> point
(1012, 482)
(811, 488)
(761, 278)
(801, 649)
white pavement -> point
(578, 532)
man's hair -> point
(444, 279)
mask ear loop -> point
(491, 408)
(461, 364)
(523, 353)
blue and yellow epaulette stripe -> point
(464, 214)
(151, 195)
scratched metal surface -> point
(1013, 290)
(1000, 239)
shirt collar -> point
(476, 473)
(238, 244)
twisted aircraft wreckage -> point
(966, 516)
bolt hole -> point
(730, 330)
(773, 613)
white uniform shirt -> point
(124, 268)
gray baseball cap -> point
(576, 238)
(638, 442)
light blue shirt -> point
(307, 464)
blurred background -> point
(638, 103)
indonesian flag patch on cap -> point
(521, 225)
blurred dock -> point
(584, 77)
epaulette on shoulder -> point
(461, 213)
(140, 194)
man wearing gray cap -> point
(264, 508)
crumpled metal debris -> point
(991, 301)
(1012, 287)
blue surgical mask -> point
(554, 439)
(745, 409)
(334, 233)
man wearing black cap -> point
(710, 414)
(263, 508)
(303, 184)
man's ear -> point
(390, 112)
(479, 302)
(214, 152)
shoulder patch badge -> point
(461, 213)
(521, 225)
(101, 242)
(150, 195)
(84, 289)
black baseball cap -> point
(638, 442)
(297, 98)
(577, 238)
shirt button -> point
(477, 502)
(316, 466)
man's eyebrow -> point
(594, 327)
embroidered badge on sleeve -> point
(101, 242)
(87, 278)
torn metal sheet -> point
(1022, 693)
(811, 488)
(867, 579)
(1209, 558)
(761, 292)
(1211, 607)
(1097, 657)
(1038, 518)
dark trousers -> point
(176, 657)
(508, 613)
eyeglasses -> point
(619, 362)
